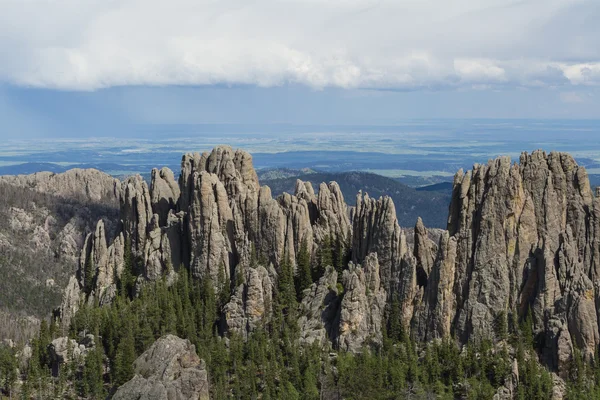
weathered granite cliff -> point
(522, 238)
(169, 369)
(526, 241)
(44, 221)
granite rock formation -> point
(169, 369)
(44, 221)
(521, 238)
(362, 307)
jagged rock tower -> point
(522, 238)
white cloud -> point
(583, 74)
(571, 98)
(470, 70)
(389, 44)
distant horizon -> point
(417, 149)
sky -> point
(98, 67)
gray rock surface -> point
(525, 240)
(376, 230)
(319, 309)
(170, 369)
(80, 184)
(44, 221)
(521, 238)
(164, 191)
(362, 306)
(251, 303)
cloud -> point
(382, 44)
(571, 98)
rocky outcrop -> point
(63, 350)
(525, 243)
(522, 238)
(362, 306)
(44, 221)
(104, 263)
(210, 227)
(332, 214)
(72, 297)
(80, 184)
(319, 310)
(136, 212)
(375, 229)
(298, 225)
(433, 318)
(163, 249)
(165, 192)
(169, 369)
(251, 303)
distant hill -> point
(31, 168)
(117, 170)
(280, 173)
(431, 206)
(437, 187)
(594, 180)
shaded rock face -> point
(251, 303)
(319, 310)
(71, 300)
(169, 369)
(526, 242)
(165, 193)
(44, 221)
(362, 307)
(106, 262)
(434, 315)
(63, 350)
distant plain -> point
(418, 152)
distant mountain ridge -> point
(430, 205)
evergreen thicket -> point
(272, 364)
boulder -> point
(170, 369)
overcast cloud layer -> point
(399, 44)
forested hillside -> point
(42, 229)
(273, 364)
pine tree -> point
(126, 282)
(289, 392)
(340, 258)
(325, 257)
(395, 330)
(8, 369)
(286, 292)
(309, 383)
(501, 325)
(304, 273)
(125, 356)
(526, 329)
(224, 287)
(44, 339)
(93, 383)
(88, 275)
(206, 308)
